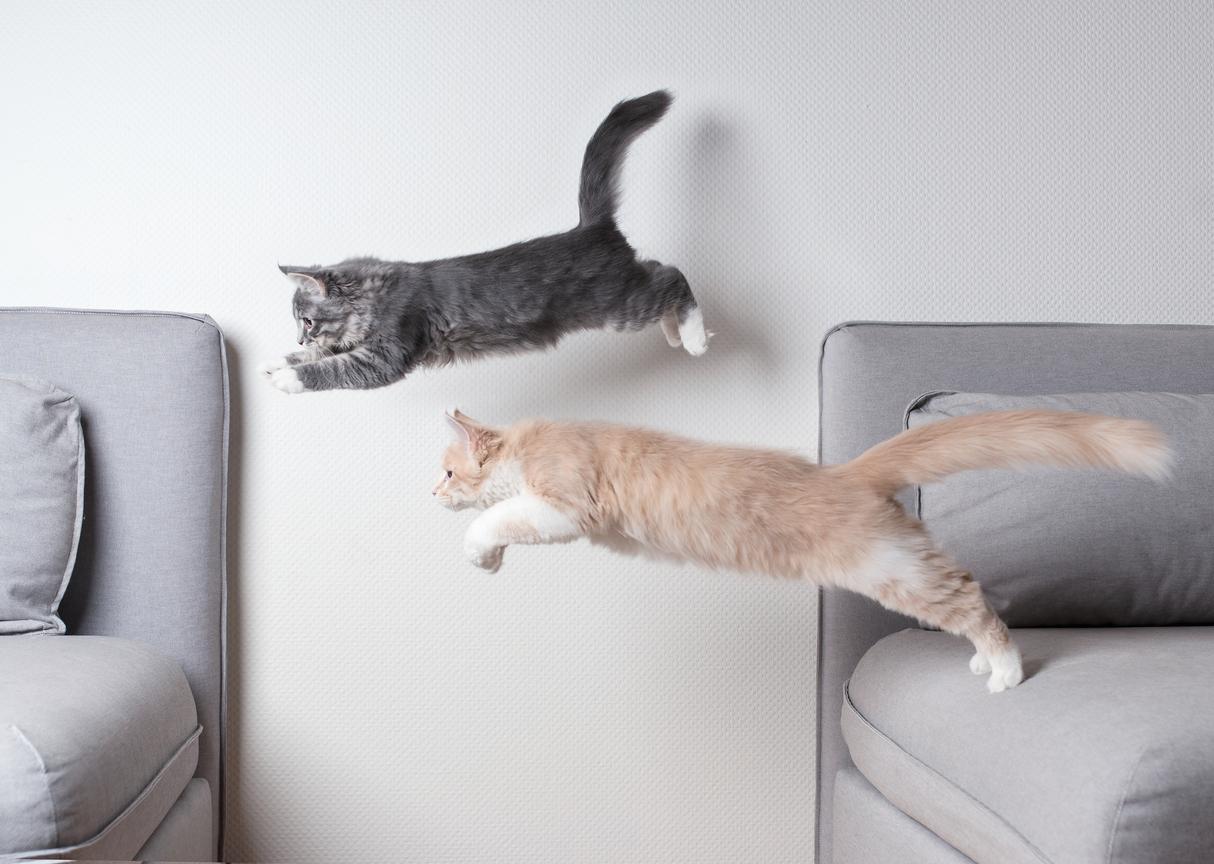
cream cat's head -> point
(468, 462)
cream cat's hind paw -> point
(286, 380)
(1006, 671)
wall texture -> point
(823, 161)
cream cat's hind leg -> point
(910, 577)
(525, 519)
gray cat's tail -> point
(605, 153)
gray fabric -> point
(41, 501)
(1085, 548)
(1105, 754)
(870, 830)
(870, 372)
(152, 390)
(185, 833)
(97, 740)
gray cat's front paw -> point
(273, 366)
(286, 380)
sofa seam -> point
(1125, 792)
(46, 781)
(818, 724)
(56, 310)
(147, 790)
(220, 793)
(847, 701)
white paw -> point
(1006, 671)
(979, 665)
(670, 329)
(485, 557)
(286, 380)
(273, 366)
(692, 333)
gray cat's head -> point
(333, 306)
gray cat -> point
(367, 323)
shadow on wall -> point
(714, 199)
(711, 197)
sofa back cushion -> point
(41, 501)
(1084, 548)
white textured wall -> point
(823, 161)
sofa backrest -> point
(153, 394)
(868, 374)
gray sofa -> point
(1106, 753)
(111, 737)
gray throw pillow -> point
(1084, 548)
(41, 501)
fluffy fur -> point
(775, 513)
(367, 323)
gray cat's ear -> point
(308, 282)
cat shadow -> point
(713, 196)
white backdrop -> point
(823, 161)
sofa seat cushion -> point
(1104, 754)
(98, 738)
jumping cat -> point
(770, 512)
(367, 323)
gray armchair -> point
(123, 717)
(1106, 753)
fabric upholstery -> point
(41, 501)
(869, 373)
(1103, 548)
(185, 833)
(870, 830)
(98, 738)
(1104, 755)
(153, 397)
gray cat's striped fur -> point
(367, 323)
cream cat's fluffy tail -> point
(1013, 439)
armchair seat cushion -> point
(1104, 754)
(98, 738)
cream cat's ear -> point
(461, 433)
(305, 281)
(478, 439)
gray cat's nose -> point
(301, 340)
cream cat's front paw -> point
(481, 546)
(286, 380)
(485, 557)
(979, 665)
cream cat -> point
(771, 512)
